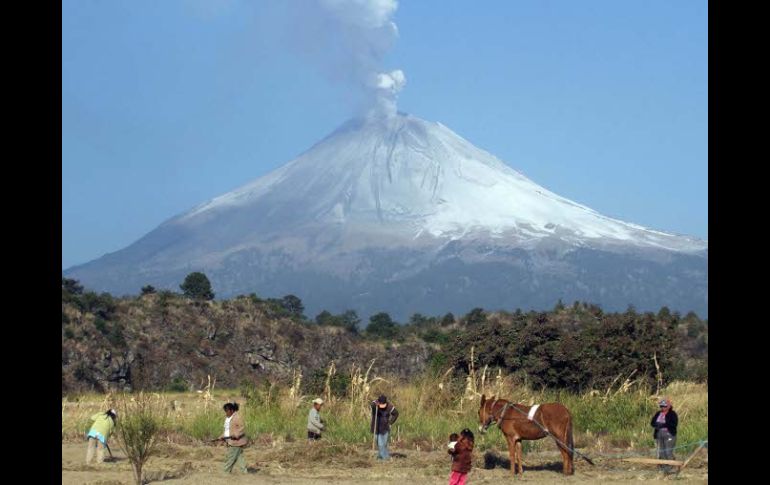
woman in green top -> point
(104, 425)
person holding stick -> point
(384, 414)
(104, 425)
(234, 437)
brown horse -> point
(549, 419)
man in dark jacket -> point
(384, 414)
(665, 422)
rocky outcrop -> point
(161, 341)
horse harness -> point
(530, 417)
(499, 420)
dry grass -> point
(611, 420)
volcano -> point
(403, 215)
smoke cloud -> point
(348, 39)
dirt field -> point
(320, 463)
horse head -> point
(485, 413)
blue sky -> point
(168, 104)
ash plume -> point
(348, 40)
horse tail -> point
(571, 443)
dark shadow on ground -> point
(493, 460)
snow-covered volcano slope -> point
(424, 176)
(400, 186)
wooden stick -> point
(654, 461)
(691, 457)
(376, 426)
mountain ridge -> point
(399, 191)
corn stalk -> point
(659, 374)
(360, 386)
(471, 388)
(206, 392)
(295, 396)
(327, 385)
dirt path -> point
(298, 463)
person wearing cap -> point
(104, 425)
(314, 422)
(384, 414)
(665, 422)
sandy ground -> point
(303, 464)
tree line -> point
(574, 347)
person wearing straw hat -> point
(665, 422)
(104, 425)
(314, 422)
(384, 414)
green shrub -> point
(438, 363)
(316, 383)
(436, 336)
(205, 426)
(178, 384)
(140, 422)
(197, 286)
(382, 326)
(101, 325)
